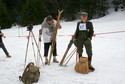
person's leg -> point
(80, 48)
(55, 54)
(4, 49)
(89, 53)
(46, 49)
(55, 50)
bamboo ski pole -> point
(27, 49)
(33, 50)
(71, 56)
(38, 49)
(38, 57)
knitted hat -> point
(49, 18)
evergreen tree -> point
(5, 20)
(52, 7)
(14, 8)
(71, 7)
(116, 4)
(123, 4)
(33, 13)
(95, 8)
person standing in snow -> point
(2, 45)
(83, 37)
(47, 31)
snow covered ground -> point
(108, 55)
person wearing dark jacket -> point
(83, 37)
(3, 46)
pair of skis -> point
(55, 34)
(64, 58)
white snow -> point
(108, 55)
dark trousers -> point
(87, 47)
(4, 49)
(46, 49)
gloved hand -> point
(70, 44)
(75, 41)
(88, 41)
(39, 38)
(1, 34)
(52, 39)
(40, 32)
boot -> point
(91, 68)
(46, 60)
(55, 60)
(8, 56)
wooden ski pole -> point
(71, 56)
(55, 34)
(33, 50)
(27, 49)
(38, 57)
(38, 49)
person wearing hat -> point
(47, 31)
(2, 44)
(83, 37)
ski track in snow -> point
(108, 55)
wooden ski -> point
(55, 34)
(67, 50)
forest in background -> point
(34, 11)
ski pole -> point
(38, 49)
(27, 50)
(70, 57)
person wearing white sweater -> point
(47, 31)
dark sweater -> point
(84, 34)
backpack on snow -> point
(31, 74)
(82, 65)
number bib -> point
(82, 26)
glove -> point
(75, 41)
(52, 39)
(40, 32)
(39, 38)
(88, 41)
(70, 44)
(1, 34)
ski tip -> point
(60, 11)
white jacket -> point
(46, 33)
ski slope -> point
(108, 54)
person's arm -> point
(45, 35)
(1, 34)
(59, 26)
(77, 31)
(91, 31)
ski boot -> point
(8, 56)
(91, 68)
(46, 60)
(55, 60)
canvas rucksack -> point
(31, 74)
(82, 65)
